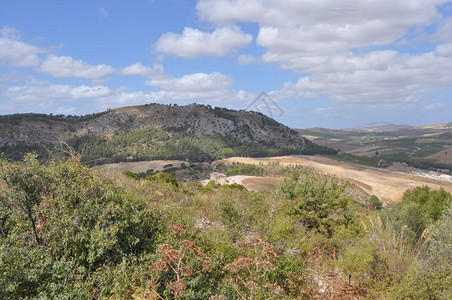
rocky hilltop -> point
(192, 120)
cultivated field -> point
(422, 144)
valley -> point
(424, 147)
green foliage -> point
(424, 284)
(70, 232)
(211, 185)
(232, 186)
(163, 178)
(158, 144)
(65, 222)
(132, 175)
(236, 221)
(318, 201)
(432, 278)
(251, 170)
(357, 260)
(440, 240)
(375, 202)
(419, 208)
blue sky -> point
(327, 63)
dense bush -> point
(70, 232)
(63, 223)
(163, 178)
(419, 208)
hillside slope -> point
(153, 131)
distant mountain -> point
(382, 127)
(153, 131)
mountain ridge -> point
(128, 132)
(196, 119)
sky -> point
(306, 63)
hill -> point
(381, 127)
(153, 131)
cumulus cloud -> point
(138, 69)
(61, 98)
(66, 66)
(17, 53)
(348, 49)
(194, 43)
(198, 82)
(402, 80)
(288, 13)
(443, 34)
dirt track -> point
(389, 186)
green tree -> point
(316, 200)
(65, 223)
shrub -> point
(419, 208)
(65, 223)
(132, 175)
(163, 177)
(375, 202)
(317, 201)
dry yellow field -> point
(389, 186)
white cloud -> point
(10, 33)
(66, 66)
(443, 34)
(287, 13)
(138, 69)
(198, 82)
(193, 42)
(62, 98)
(334, 43)
(401, 81)
(18, 54)
(301, 34)
(444, 50)
(50, 93)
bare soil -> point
(256, 183)
(141, 166)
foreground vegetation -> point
(70, 232)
